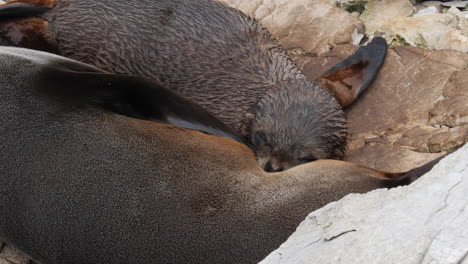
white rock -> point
(459, 4)
(454, 40)
(455, 12)
(463, 25)
(427, 11)
(436, 4)
(423, 31)
(357, 37)
(425, 222)
(380, 12)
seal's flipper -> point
(338, 169)
(399, 179)
(350, 78)
(404, 178)
(21, 25)
(130, 96)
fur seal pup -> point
(80, 183)
(212, 54)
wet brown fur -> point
(83, 184)
(29, 33)
(212, 54)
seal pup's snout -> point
(273, 165)
(277, 163)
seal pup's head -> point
(297, 124)
(299, 121)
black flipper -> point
(21, 10)
(131, 96)
(400, 179)
(350, 78)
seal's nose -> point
(273, 166)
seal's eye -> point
(260, 138)
(309, 157)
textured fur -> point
(80, 183)
(212, 54)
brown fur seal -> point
(80, 183)
(212, 54)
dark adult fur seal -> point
(212, 54)
(82, 183)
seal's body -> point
(208, 52)
(83, 183)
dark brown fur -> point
(29, 33)
(208, 52)
(80, 183)
(41, 3)
(217, 57)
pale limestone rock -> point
(423, 31)
(247, 6)
(357, 37)
(426, 29)
(455, 12)
(453, 40)
(463, 25)
(427, 11)
(381, 12)
(316, 26)
(459, 4)
(436, 4)
(306, 26)
(425, 222)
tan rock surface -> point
(416, 109)
(307, 26)
(417, 106)
(381, 12)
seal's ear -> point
(348, 79)
(21, 25)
